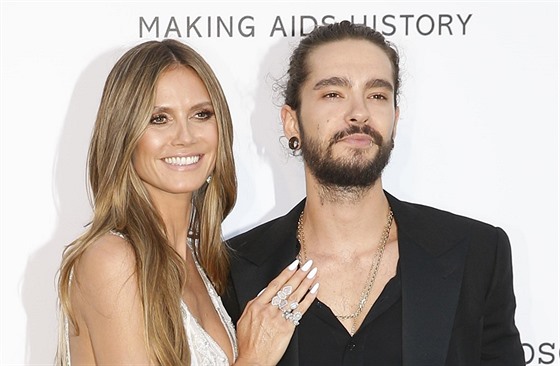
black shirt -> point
(323, 340)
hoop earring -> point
(293, 143)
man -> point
(400, 283)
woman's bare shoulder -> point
(105, 273)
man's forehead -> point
(338, 57)
(350, 46)
(348, 63)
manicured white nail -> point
(314, 288)
(259, 294)
(293, 266)
(312, 274)
(307, 265)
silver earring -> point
(209, 179)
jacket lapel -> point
(432, 261)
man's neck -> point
(347, 227)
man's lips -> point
(358, 139)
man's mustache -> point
(354, 129)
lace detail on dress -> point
(204, 349)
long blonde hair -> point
(120, 201)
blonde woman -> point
(141, 285)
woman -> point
(140, 285)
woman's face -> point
(177, 151)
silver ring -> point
(283, 294)
(279, 302)
(294, 317)
(294, 305)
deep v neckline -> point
(218, 308)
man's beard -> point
(351, 174)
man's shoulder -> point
(435, 225)
(255, 232)
(426, 213)
(275, 228)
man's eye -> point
(378, 96)
(332, 95)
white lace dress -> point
(203, 348)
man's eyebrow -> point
(333, 81)
(344, 82)
(379, 83)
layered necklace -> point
(302, 256)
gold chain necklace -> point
(302, 256)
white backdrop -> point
(478, 133)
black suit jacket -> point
(457, 291)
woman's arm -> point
(106, 300)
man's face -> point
(347, 117)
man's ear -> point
(289, 122)
(396, 121)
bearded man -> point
(400, 283)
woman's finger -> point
(268, 321)
(297, 295)
(276, 284)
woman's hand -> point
(267, 324)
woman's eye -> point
(158, 119)
(204, 115)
